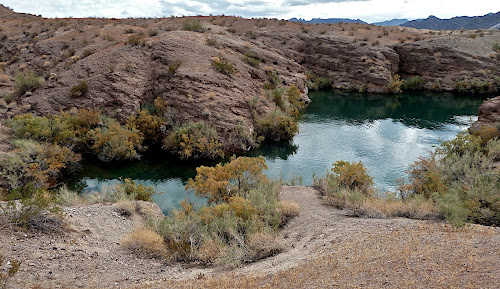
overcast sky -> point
(367, 10)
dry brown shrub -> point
(211, 250)
(414, 208)
(264, 245)
(145, 242)
(287, 210)
(125, 208)
(148, 210)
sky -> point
(366, 10)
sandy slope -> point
(362, 251)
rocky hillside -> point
(126, 64)
(456, 23)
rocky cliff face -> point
(128, 63)
(489, 114)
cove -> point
(386, 133)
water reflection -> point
(385, 133)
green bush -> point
(496, 47)
(116, 142)
(353, 176)
(40, 164)
(27, 81)
(315, 83)
(293, 94)
(394, 85)
(254, 62)
(223, 66)
(460, 178)
(474, 86)
(137, 192)
(193, 25)
(224, 181)
(273, 82)
(194, 140)
(80, 89)
(276, 125)
(413, 83)
(33, 209)
(239, 228)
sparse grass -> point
(146, 243)
(254, 62)
(213, 42)
(79, 90)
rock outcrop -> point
(489, 114)
(127, 63)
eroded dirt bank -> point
(324, 247)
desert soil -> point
(324, 247)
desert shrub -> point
(394, 85)
(223, 66)
(213, 41)
(460, 179)
(293, 94)
(425, 178)
(27, 81)
(193, 25)
(276, 95)
(315, 83)
(135, 39)
(80, 89)
(6, 273)
(148, 125)
(40, 164)
(353, 176)
(138, 192)
(273, 80)
(237, 229)
(194, 140)
(224, 181)
(87, 52)
(474, 86)
(116, 142)
(251, 34)
(287, 210)
(486, 133)
(145, 242)
(496, 47)
(413, 83)
(276, 125)
(33, 209)
(54, 129)
(173, 67)
(152, 32)
(254, 62)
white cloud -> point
(367, 10)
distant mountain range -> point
(455, 23)
(329, 20)
(491, 20)
(393, 22)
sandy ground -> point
(360, 252)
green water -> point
(386, 133)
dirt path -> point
(91, 257)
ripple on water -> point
(386, 134)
